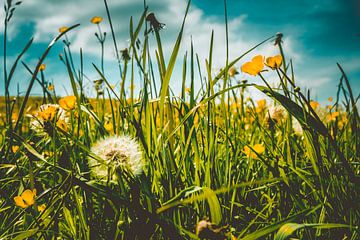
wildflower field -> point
(208, 163)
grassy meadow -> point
(208, 163)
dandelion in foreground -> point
(26, 199)
(117, 152)
(96, 20)
(274, 62)
(254, 67)
(256, 149)
(47, 118)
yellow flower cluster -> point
(256, 65)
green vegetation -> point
(214, 163)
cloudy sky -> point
(317, 35)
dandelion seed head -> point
(276, 114)
(297, 127)
(116, 152)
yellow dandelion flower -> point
(274, 62)
(42, 67)
(254, 67)
(96, 20)
(26, 199)
(68, 103)
(44, 120)
(48, 113)
(257, 148)
(330, 99)
(63, 29)
(51, 87)
(188, 90)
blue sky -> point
(317, 35)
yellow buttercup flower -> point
(188, 90)
(254, 67)
(274, 62)
(41, 207)
(51, 87)
(96, 20)
(14, 149)
(330, 99)
(63, 29)
(26, 199)
(314, 104)
(42, 67)
(257, 148)
(68, 103)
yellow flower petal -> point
(41, 208)
(63, 29)
(50, 87)
(42, 67)
(259, 148)
(62, 125)
(274, 62)
(96, 20)
(254, 67)
(314, 104)
(29, 196)
(20, 202)
(48, 114)
(14, 149)
(68, 103)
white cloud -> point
(48, 16)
